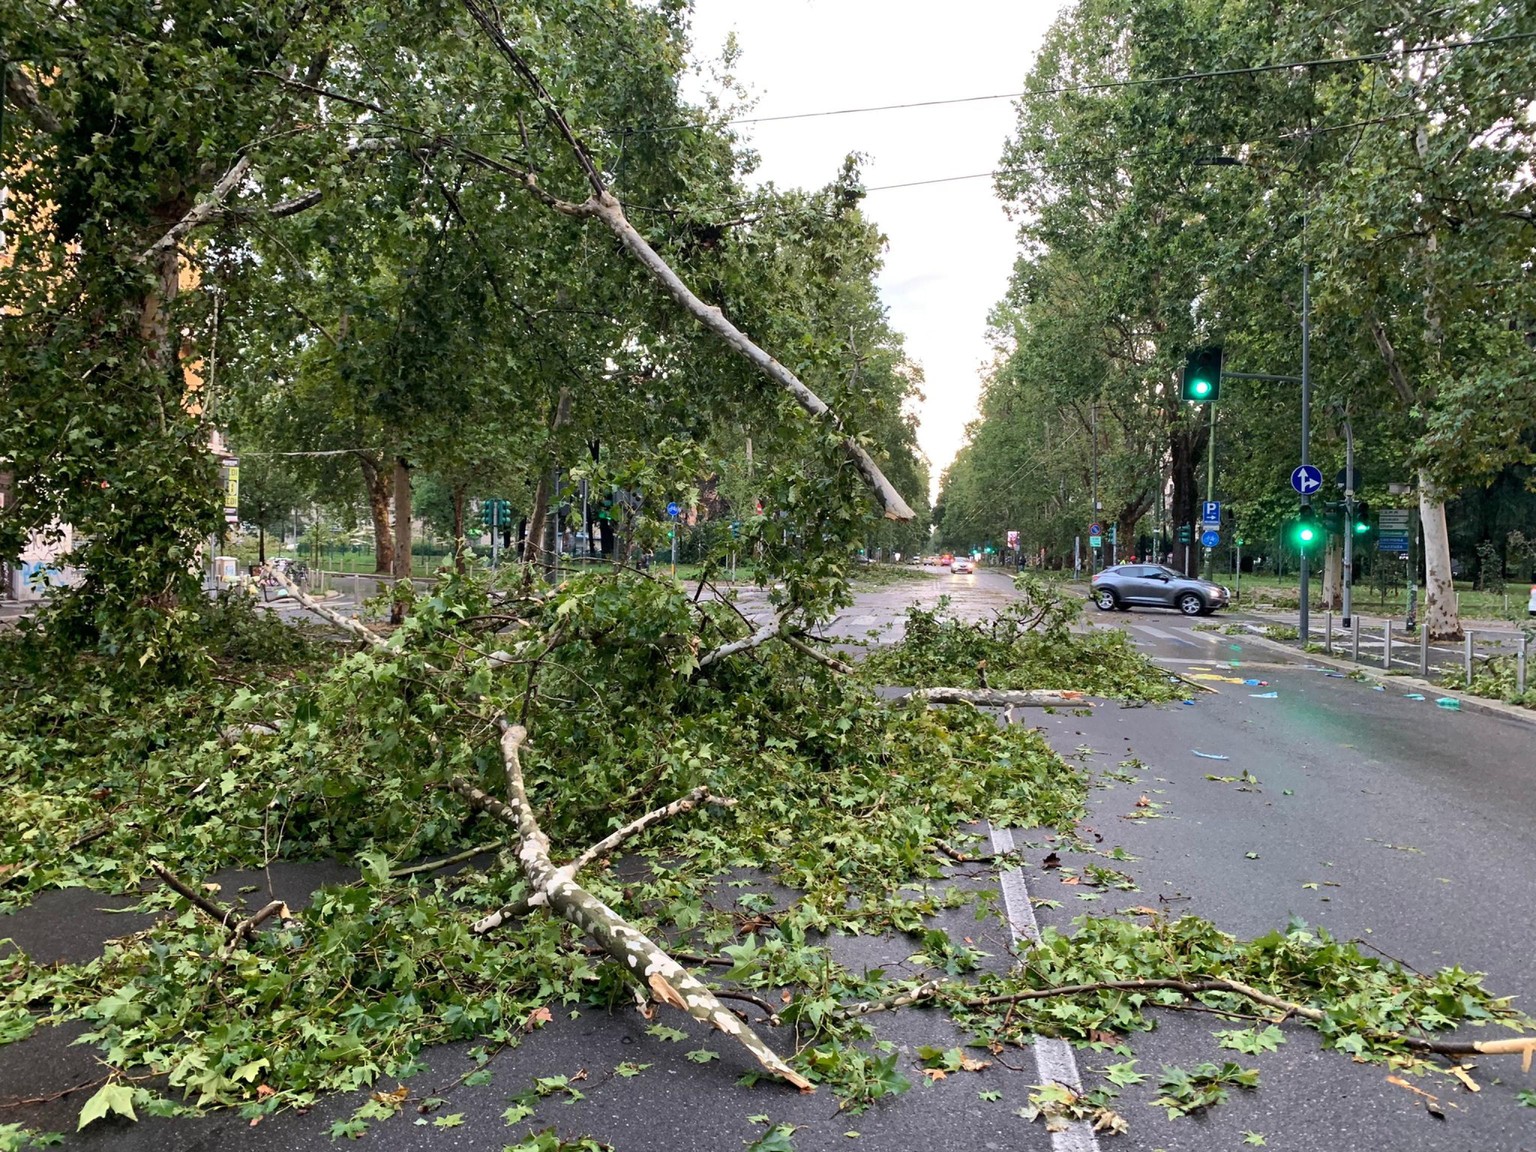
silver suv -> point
(1153, 585)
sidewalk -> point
(1382, 648)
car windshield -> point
(1167, 571)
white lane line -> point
(1054, 1059)
(1161, 635)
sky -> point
(950, 246)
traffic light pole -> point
(1210, 486)
(1306, 429)
(1349, 518)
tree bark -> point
(1185, 445)
(460, 492)
(533, 546)
(667, 981)
(1441, 616)
(1333, 573)
(378, 509)
(402, 565)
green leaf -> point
(702, 1055)
(1254, 1138)
(110, 1099)
(776, 1139)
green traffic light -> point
(1200, 387)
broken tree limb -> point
(934, 990)
(767, 632)
(208, 907)
(830, 661)
(345, 623)
(200, 212)
(244, 929)
(606, 208)
(1191, 682)
(446, 861)
(667, 980)
(999, 697)
(700, 795)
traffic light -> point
(1362, 518)
(1202, 375)
(1307, 532)
(1186, 533)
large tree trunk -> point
(1186, 442)
(378, 510)
(1441, 616)
(261, 545)
(533, 546)
(1333, 574)
(402, 565)
(459, 546)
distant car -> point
(961, 564)
(945, 560)
(1154, 586)
(1530, 609)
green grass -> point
(1475, 605)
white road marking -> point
(1054, 1059)
(1160, 634)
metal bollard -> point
(1386, 648)
(1354, 640)
(1424, 652)
(1328, 631)
(1466, 660)
(1520, 665)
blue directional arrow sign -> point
(1306, 479)
(673, 509)
(1210, 539)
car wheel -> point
(1191, 605)
(1105, 599)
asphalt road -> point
(1417, 826)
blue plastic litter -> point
(1191, 703)
(1377, 688)
(1265, 695)
(1412, 696)
(1251, 683)
(1208, 755)
(1335, 675)
(1449, 703)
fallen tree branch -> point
(667, 980)
(345, 623)
(999, 697)
(1187, 680)
(1524, 1046)
(447, 861)
(201, 902)
(243, 929)
(767, 632)
(700, 795)
(830, 661)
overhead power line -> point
(1103, 85)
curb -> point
(1469, 702)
